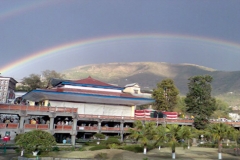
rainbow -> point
(81, 43)
(25, 7)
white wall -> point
(96, 109)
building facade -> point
(7, 89)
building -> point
(7, 89)
(90, 96)
(76, 109)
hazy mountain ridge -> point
(148, 74)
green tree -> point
(199, 101)
(222, 110)
(143, 133)
(35, 140)
(181, 106)
(49, 74)
(219, 131)
(160, 136)
(33, 81)
(188, 133)
(173, 137)
(165, 95)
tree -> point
(49, 74)
(33, 81)
(173, 137)
(222, 110)
(35, 140)
(143, 133)
(219, 131)
(37, 81)
(165, 95)
(199, 101)
(160, 136)
(188, 133)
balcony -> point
(63, 127)
(36, 126)
(9, 126)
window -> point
(135, 91)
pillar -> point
(22, 115)
(99, 126)
(51, 124)
(121, 130)
(21, 122)
(74, 125)
(73, 139)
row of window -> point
(3, 81)
(2, 87)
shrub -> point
(133, 148)
(98, 147)
(81, 149)
(99, 136)
(208, 145)
(55, 149)
(112, 140)
(113, 146)
(101, 156)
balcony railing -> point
(36, 126)
(37, 108)
(92, 128)
(9, 125)
(63, 127)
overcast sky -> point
(202, 32)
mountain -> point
(148, 74)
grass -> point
(195, 153)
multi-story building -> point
(7, 88)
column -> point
(51, 124)
(121, 130)
(99, 126)
(21, 122)
(23, 115)
(74, 125)
(73, 139)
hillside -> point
(148, 74)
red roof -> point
(90, 80)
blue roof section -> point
(91, 85)
(94, 95)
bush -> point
(101, 156)
(113, 146)
(81, 149)
(112, 140)
(208, 145)
(99, 136)
(98, 147)
(55, 149)
(133, 148)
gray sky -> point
(202, 32)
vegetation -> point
(199, 101)
(219, 131)
(165, 95)
(34, 81)
(36, 140)
(143, 133)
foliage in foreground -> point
(36, 140)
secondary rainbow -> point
(81, 43)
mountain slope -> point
(148, 74)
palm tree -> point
(143, 133)
(173, 137)
(187, 133)
(160, 136)
(219, 131)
